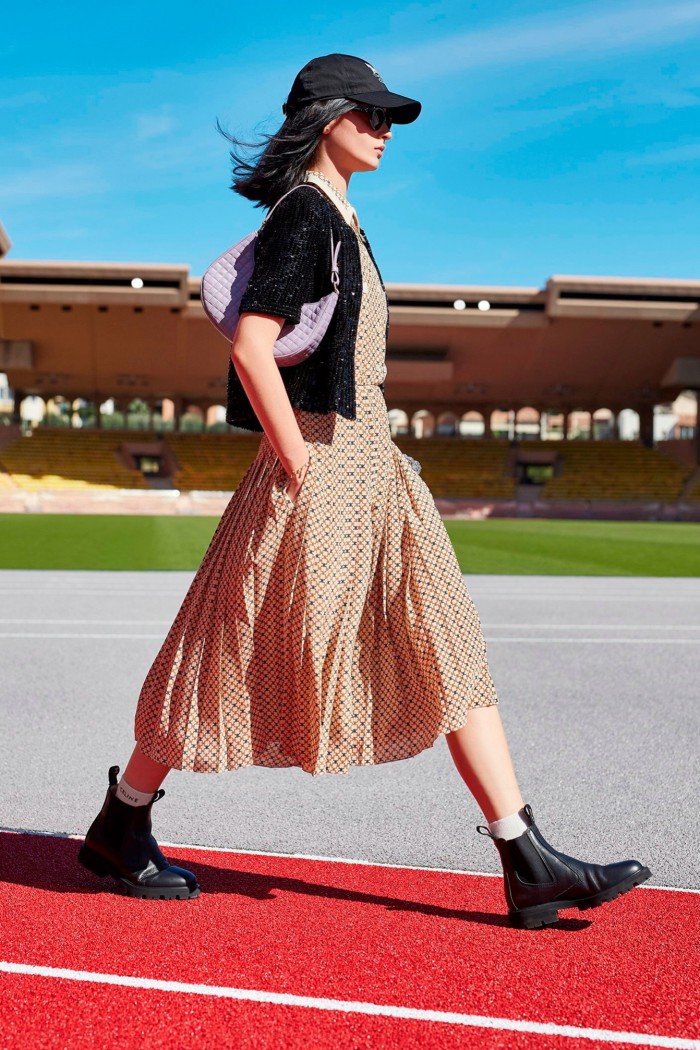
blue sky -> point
(554, 138)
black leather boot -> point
(538, 880)
(119, 843)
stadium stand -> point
(210, 462)
(692, 490)
(607, 470)
(466, 467)
(52, 459)
(55, 459)
(217, 462)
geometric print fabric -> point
(327, 633)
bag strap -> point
(335, 248)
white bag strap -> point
(335, 248)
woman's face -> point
(352, 144)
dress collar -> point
(342, 203)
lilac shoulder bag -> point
(225, 281)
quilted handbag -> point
(225, 281)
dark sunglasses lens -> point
(379, 117)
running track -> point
(299, 952)
(598, 679)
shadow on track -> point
(49, 863)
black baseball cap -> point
(345, 76)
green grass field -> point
(550, 547)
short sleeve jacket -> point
(293, 267)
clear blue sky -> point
(554, 138)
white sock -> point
(510, 827)
(131, 796)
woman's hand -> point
(296, 480)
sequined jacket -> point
(293, 267)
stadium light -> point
(136, 282)
(459, 304)
(484, 304)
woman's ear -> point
(329, 127)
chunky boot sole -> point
(151, 893)
(540, 915)
(98, 865)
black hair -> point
(282, 158)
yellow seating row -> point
(68, 460)
(451, 467)
(612, 470)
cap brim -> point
(403, 110)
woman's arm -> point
(253, 359)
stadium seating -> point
(692, 493)
(211, 462)
(69, 460)
(612, 470)
(466, 468)
(217, 462)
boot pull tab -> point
(113, 772)
(484, 831)
(158, 795)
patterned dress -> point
(329, 632)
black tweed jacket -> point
(293, 267)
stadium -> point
(556, 429)
(574, 400)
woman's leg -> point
(142, 773)
(481, 754)
(538, 880)
(120, 843)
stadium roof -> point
(82, 329)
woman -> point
(328, 624)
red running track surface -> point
(428, 940)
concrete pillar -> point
(697, 429)
(486, 413)
(567, 413)
(646, 425)
(18, 398)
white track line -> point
(62, 634)
(540, 626)
(490, 639)
(527, 598)
(315, 856)
(596, 641)
(68, 622)
(64, 622)
(341, 1005)
(94, 592)
(592, 597)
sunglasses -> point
(377, 116)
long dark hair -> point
(281, 159)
